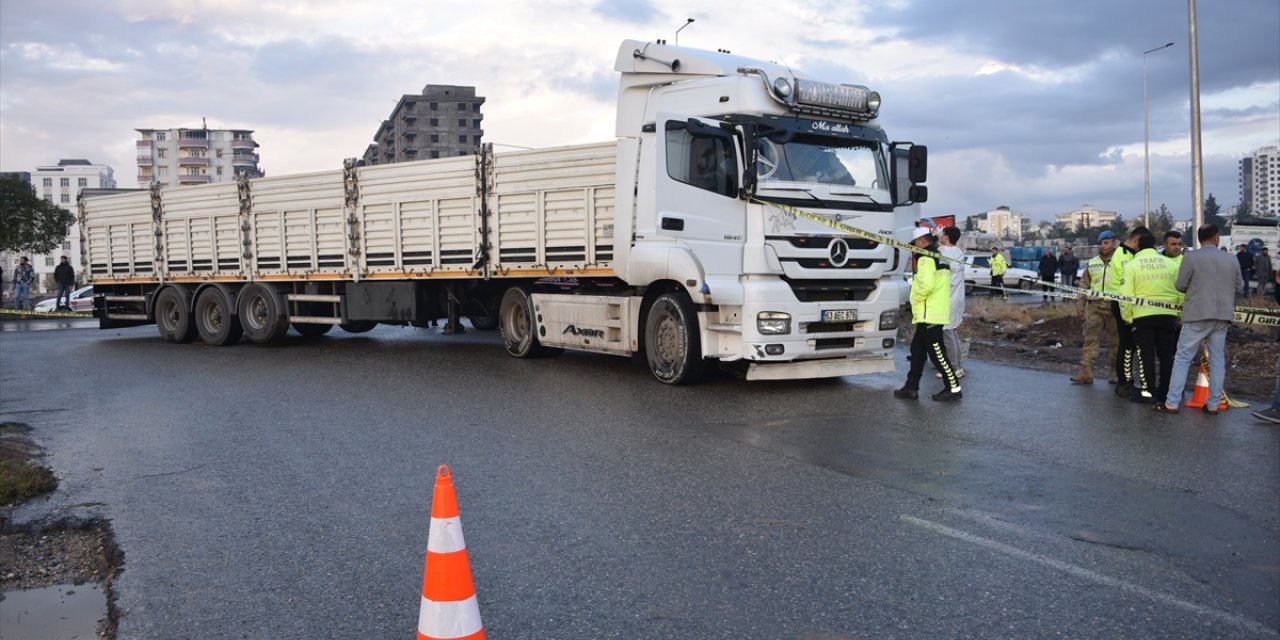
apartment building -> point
(443, 121)
(1263, 180)
(1004, 223)
(1086, 216)
(196, 155)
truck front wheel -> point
(671, 340)
(173, 316)
(262, 313)
(518, 326)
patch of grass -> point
(997, 311)
(14, 427)
(20, 480)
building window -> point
(219, 153)
(48, 261)
(66, 182)
(475, 139)
(66, 198)
(162, 152)
(162, 172)
(84, 182)
(462, 106)
(48, 183)
(435, 137)
(462, 122)
(161, 136)
(435, 153)
(462, 153)
(66, 246)
(48, 197)
(475, 108)
(435, 107)
(220, 170)
(435, 122)
(475, 124)
(462, 139)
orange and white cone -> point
(450, 610)
(1200, 396)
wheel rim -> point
(213, 316)
(667, 339)
(257, 312)
(170, 314)
(516, 324)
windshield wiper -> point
(853, 193)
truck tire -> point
(484, 323)
(214, 321)
(518, 326)
(262, 313)
(358, 326)
(671, 340)
(173, 316)
(312, 329)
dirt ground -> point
(1049, 337)
(63, 551)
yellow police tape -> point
(1242, 315)
(44, 314)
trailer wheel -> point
(358, 326)
(484, 323)
(517, 325)
(262, 313)
(173, 316)
(312, 329)
(671, 340)
(213, 318)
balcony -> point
(144, 161)
(193, 161)
(146, 144)
(190, 179)
(243, 144)
(145, 179)
(192, 143)
(245, 161)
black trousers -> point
(1126, 355)
(1157, 339)
(997, 282)
(927, 343)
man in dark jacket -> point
(1068, 265)
(1246, 265)
(65, 276)
(1048, 269)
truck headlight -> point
(889, 320)
(773, 323)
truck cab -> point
(730, 174)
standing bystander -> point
(998, 267)
(23, 276)
(1246, 266)
(1209, 279)
(1048, 270)
(1151, 276)
(1099, 323)
(1068, 265)
(65, 276)
(950, 333)
(930, 312)
(1263, 270)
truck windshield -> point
(834, 162)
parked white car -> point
(977, 270)
(81, 301)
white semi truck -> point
(680, 240)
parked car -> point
(81, 301)
(977, 270)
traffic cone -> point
(1201, 394)
(449, 607)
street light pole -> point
(1197, 169)
(1146, 141)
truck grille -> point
(831, 290)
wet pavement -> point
(285, 491)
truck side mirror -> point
(918, 163)
(918, 193)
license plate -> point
(839, 315)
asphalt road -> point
(284, 492)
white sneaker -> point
(959, 374)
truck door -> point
(697, 186)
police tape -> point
(1242, 315)
(43, 314)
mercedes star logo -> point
(839, 252)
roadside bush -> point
(20, 480)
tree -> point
(1119, 227)
(27, 222)
(1245, 208)
(1161, 221)
(1213, 215)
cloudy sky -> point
(1034, 105)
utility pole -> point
(1197, 168)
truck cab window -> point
(705, 163)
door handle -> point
(673, 224)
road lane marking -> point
(1093, 576)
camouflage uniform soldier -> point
(1099, 322)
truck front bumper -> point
(830, 368)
